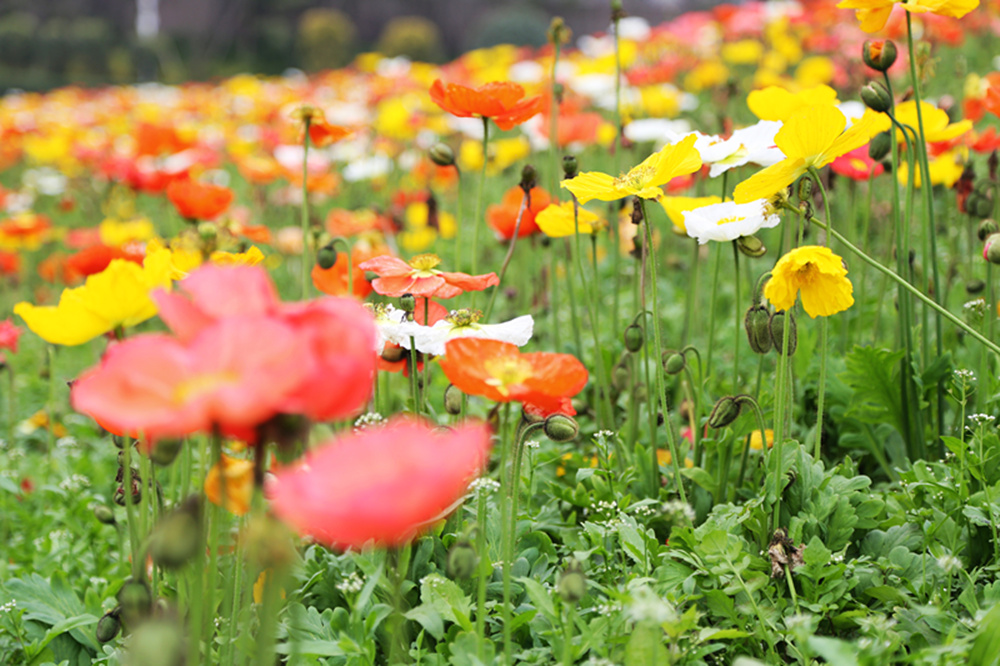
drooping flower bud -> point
(879, 146)
(109, 626)
(876, 97)
(726, 410)
(462, 560)
(991, 250)
(674, 363)
(135, 601)
(777, 327)
(177, 537)
(634, 338)
(442, 154)
(561, 428)
(326, 257)
(751, 246)
(453, 400)
(159, 642)
(980, 206)
(879, 54)
(104, 514)
(572, 586)
(757, 323)
(987, 228)
(165, 451)
(973, 287)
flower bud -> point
(975, 287)
(725, 412)
(156, 643)
(572, 586)
(876, 97)
(208, 231)
(529, 178)
(109, 626)
(326, 257)
(757, 323)
(987, 228)
(462, 560)
(620, 377)
(559, 32)
(879, 54)
(570, 166)
(267, 543)
(879, 146)
(805, 189)
(453, 400)
(442, 154)
(165, 451)
(634, 338)
(991, 250)
(751, 246)
(177, 537)
(777, 327)
(561, 428)
(980, 206)
(673, 363)
(407, 303)
(104, 514)
(135, 601)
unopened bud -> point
(165, 451)
(268, 544)
(620, 377)
(725, 412)
(570, 166)
(156, 643)
(879, 54)
(673, 363)
(751, 246)
(407, 303)
(561, 428)
(462, 560)
(442, 154)
(757, 323)
(991, 251)
(177, 537)
(453, 400)
(208, 231)
(778, 332)
(135, 601)
(529, 178)
(634, 338)
(805, 189)
(987, 228)
(326, 257)
(104, 514)
(980, 207)
(879, 146)
(559, 33)
(109, 626)
(572, 586)
(876, 97)
(975, 287)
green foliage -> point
(412, 36)
(325, 39)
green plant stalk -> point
(823, 326)
(983, 395)
(484, 567)
(506, 261)
(779, 422)
(692, 295)
(208, 627)
(762, 426)
(567, 651)
(554, 119)
(717, 264)
(658, 356)
(651, 406)
(476, 221)
(264, 652)
(306, 263)
(737, 308)
(398, 653)
(51, 401)
(515, 484)
(11, 405)
(458, 218)
(574, 312)
(554, 297)
(913, 290)
(696, 415)
(505, 535)
(414, 385)
(132, 525)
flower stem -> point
(739, 328)
(510, 253)
(306, 263)
(476, 221)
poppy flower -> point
(381, 486)
(95, 259)
(392, 343)
(117, 296)
(818, 273)
(857, 165)
(237, 475)
(25, 231)
(199, 201)
(727, 221)
(873, 14)
(462, 323)
(9, 334)
(321, 133)
(503, 218)
(777, 103)
(502, 101)
(557, 220)
(499, 371)
(811, 138)
(334, 280)
(644, 180)
(235, 375)
(421, 278)
(10, 263)
(675, 207)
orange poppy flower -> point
(334, 280)
(502, 101)
(25, 231)
(499, 371)
(10, 263)
(321, 133)
(420, 277)
(95, 259)
(199, 201)
(503, 218)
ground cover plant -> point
(670, 345)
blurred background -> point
(50, 43)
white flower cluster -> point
(678, 511)
(74, 483)
(963, 375)
(980, 419)
(368, 420)
(9, 606)
(949, 564)
(352, 584)
(484, 484)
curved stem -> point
(510, 253)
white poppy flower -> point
(728, 221)
(464, 324)
(388, 321)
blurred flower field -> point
(675, 344)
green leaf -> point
(873, 374)
(835, 651)
(540, 598)
(428, 618)
(986, 648)
(645, 647)
(702, 478)
(50, 603)
(816, 553)
(448, 599)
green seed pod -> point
(442, 154)
(634, 338)
(453, 400)
(757, 323)
(462, 560)
(177, 537)
(987, 228)
(674, 363)
(165, 451)
(725, 412)
(104, 514)
(876, 97)
(561, 428)
(879, 146)
(326, 257)
(108, 626)
(778, 332)
(572, 586)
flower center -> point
(424, 264)
(464, 318)
(506, 372)
(634, 179)
(201, 384)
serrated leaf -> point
(873, 374)
(448, 599)
(540, 598)
(49, 603)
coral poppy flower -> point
(334, 280)
(420, 277)
(235, 375)
(499, 371)
(819, 274)
(199, 201)
(502, 101)
(10, 263)
(237, 475)
(9, 334)
(503, 218)
(321, 133)
(812, 138)
(117, 296)
(644, 180)
(382, 486)
(95, 259)
(856, 165)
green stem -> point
(483, 571)
(306, 263)
(779, 422)
(510, 254)
(477, 222)
(739, 322)
(821, 389)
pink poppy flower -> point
(420, 277)
(9, 334)
(380, 486)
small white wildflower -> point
(484, 485)
(368, 420)
(646, 605)
(67, 442)
(949, 564)
(74, 483)
(678, 511)
(980, 419)
(9, 606)
(532, 444)
(967, 376)
(352, 584)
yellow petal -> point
(679, 159)
(593, 185)
(777, 103)
(556, 220)
(768, 182)
(70, 323)
(810, 131)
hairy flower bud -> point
(104, 514)
(777, 327)
(757, 323)
(177, 537)
(572, 586)
(529, 178)
(751, 246)
(987, 228)
(462, 560)
(165, 451)
(726, 410)
(453, 400)
(326, 257)
(879, 146)
(674, 363)
(108, 626)
(561, 428)
(442, 154)
(879, 54)
(634, 338)
(407, 303)
(991, 250)
(135, 601)
(876, 97)
(570, 166)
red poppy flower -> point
(503, 217)
(9, 334)
(95, 259)
(381, 486)
(985, 142)
(420, 277)
(321, 133)
(499, 371)
(10, 263)
(502, 101)
(199, 201)
(856, 165)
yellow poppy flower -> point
(937, 125)
(812, 138)
(556, 220)
(238, 477)
(755, 441)
(675, 207)
(819, 274)
(251, 257)
(116, 233)
(777, 103)
(945, 169)
(873, 14)
(642, 181)
(117, 296)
